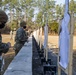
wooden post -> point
(40, 38)
(59, 69)
(46, 29)
(71, 46)
(47, 44)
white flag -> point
(45, 36)
(64, 39)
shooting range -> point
(51, 31)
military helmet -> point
(3, 19)
(23, 23)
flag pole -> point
(71, 45)
(69, 70)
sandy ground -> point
(54, 40)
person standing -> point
(4, 47)
(21, 37)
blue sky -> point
(60, 1)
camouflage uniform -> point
(4, 47)
(20, 39)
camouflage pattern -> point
(4, 47)
(20, 39)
